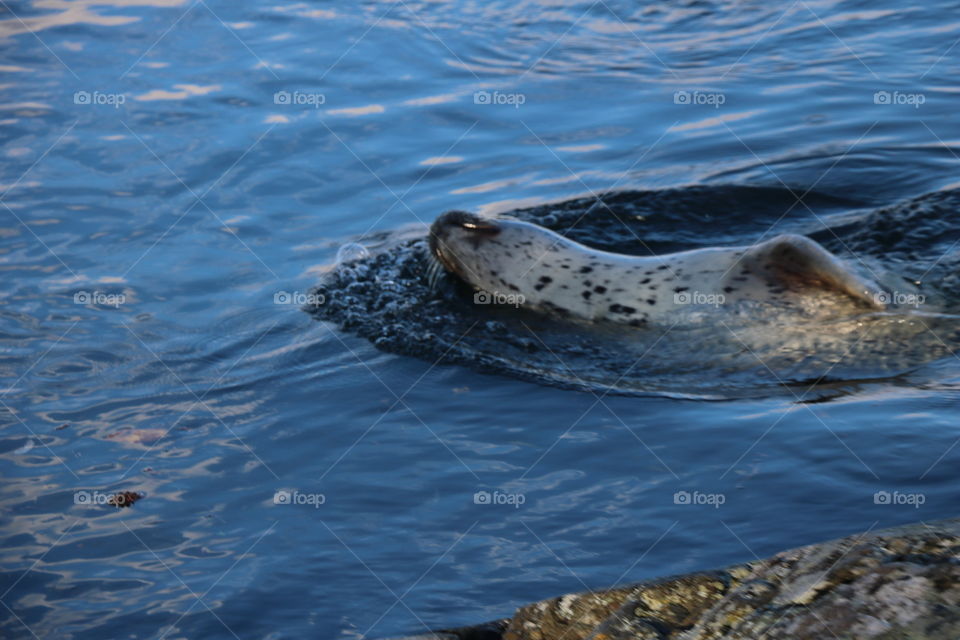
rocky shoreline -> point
(896, 584)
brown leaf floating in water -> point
(124, 499)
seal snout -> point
(452, 227)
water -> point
(173, 187)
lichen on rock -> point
(896, 584)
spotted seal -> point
(549, 272)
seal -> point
(548, 272)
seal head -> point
(508, 257)
(455, 228)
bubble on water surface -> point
(351, 252)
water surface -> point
(171, 168)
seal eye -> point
(481, 226)
(467, 221)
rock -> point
(487, 631)
(651, 610)
(896, 584)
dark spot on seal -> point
(651, 301)
(680, 289)
(586, 295)
(619, 308)
(586, 269)
(662, 267)
(645, 281)
(599, 289)
(729, 289)
(544, 281)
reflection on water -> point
(175, 173)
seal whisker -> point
(433, 271)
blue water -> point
(168, 169)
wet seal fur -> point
(548, 272)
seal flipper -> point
(798, 259)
